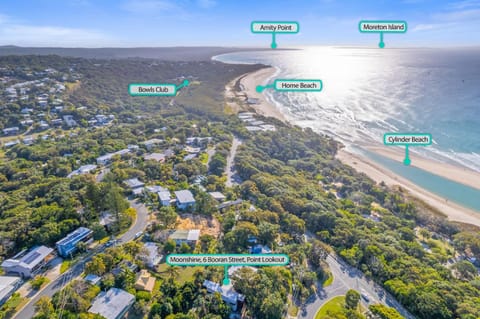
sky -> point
(152, 23)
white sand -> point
(250, 82)
(377, 172)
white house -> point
(26, 263)
(164, 198)
(184, 199)
(112, 304)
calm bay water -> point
(368, 92)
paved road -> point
(139, 225)
(345, 278)
(232, 178)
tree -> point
(108, 281)
(168, 217)
(351, 299)
(172, 271)
(44, 308)
(385, 312)
(465, 270)
(96, 266)
(38, 281)
(272, 307)
(169, 246)
(99, 231)
(115, 202)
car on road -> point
(365, 295)
(139, 234)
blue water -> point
(368, 92)
(466, 196)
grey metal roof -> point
(112, 303)
(184, 196)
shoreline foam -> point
(453, 211)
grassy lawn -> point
(184, 273)
(328, 281)
(204, 158)
(292, 310)
(65, 266)
(333, 306)
(12, 305)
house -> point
(260, 249)
(28, 140)
(112, 304)
(135, 185)
(107, 220)
(82, 170)
(229, 204)
(105, 159)
(26, 122)
(189, 237)
(189, 157)
(56, 122)
(67, 246)
(43, 125)
(192, 150)
(219, 197)
(184, 199)
(149, 144)
(93, 279)
(11, 130)
(133, 147)
(268, 127)
(198, 141)
(229, 295)
(164, 198)
(12, 143)
(153, 257)
(25, 264)
(69, 120)
(155, 189)
(125, 264)
(158, 157)
(145, 281)
(8, 285)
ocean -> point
(369, 91)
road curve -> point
(139, 225)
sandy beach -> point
(451, 172)
(377, 172)
(249, 84)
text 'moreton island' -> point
(383, 26)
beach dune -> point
(374, 170)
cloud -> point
(206, 3)
(465, 4)
(459, 15)
(18, 33)
(431, 26)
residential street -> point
(345, 278)
(139, 225)
(232, 178)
